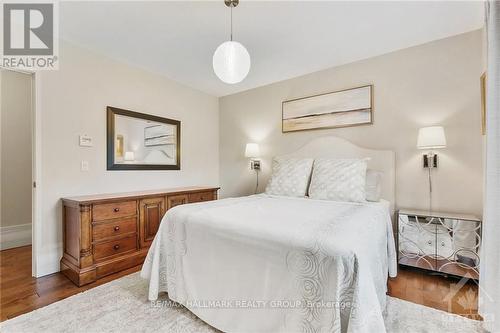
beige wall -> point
(16, 159)
(431, 84)
(73, 101)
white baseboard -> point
(48, 258)
(15, 236)
(20, 235)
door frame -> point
(36, 149)
(36, 123)
(35, 164)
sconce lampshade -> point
(431, 138)
(252, 150)
(129, 156)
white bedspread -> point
(276, 264)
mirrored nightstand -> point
(441, 242)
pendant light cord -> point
(231, 23)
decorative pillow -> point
(290, 176)
(373, 185)
(338, 180)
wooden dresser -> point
(104, 234)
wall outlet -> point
(84, 166)
(86, 141)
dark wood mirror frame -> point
(110, 134)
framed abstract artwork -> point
(344, 108)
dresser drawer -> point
(176, 200)
(201, 196)
(106, 249)
(115, 228)
(114, 210)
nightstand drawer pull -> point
(116, 210)
(116, 247)
(117, 228)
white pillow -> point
(373, 185)
(338, 180)
(290, 176)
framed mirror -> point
(138, 141)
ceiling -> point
(284, 38)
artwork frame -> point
(111, 112)
(483, 103)
(336, 109)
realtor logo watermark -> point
(30, 35)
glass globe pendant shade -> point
(231, 62)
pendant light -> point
(231, 60)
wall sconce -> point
(252, 151)
(431, 138)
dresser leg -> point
(80, 277)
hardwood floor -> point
(443, 293)
(21, 293)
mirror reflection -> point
(139, 141)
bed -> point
(267, 263)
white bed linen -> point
(276, 264)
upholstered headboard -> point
(335, 147)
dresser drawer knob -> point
(116, 247)
(116, 210)
(117, 228)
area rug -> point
(122, 306)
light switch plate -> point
(84, 166)
(86, 141)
